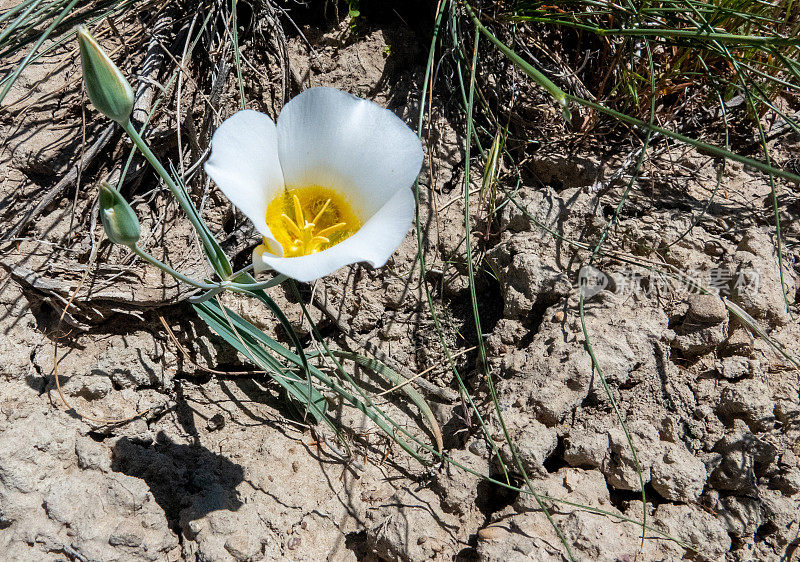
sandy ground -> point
(218, 468)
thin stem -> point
(701, 35)
(218, 260)
(428, 81)
(237, 55)
(246, 269)
(277, 280)
(167, 269)
(474, 298)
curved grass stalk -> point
(287, 326)
(650, 128)
(700, 36)
(246, 338)
(699, 145)
(588, 508)
(446, 458)
(475, 312)
(365, 404)
(454, 22)
(237, 55)
(14, 75)
(427, 81)
(775, 210)
(737, 311)
(79, 14)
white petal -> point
(374, 242)
(330, 138)
(244, 164)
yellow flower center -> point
(310, 219)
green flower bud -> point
(119, 219)
(108, 89)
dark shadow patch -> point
(455, 431)
(180, 476)
(493, 497)
(555, 461)
(766, 529)
(98, 436)
(534, 321)
(490, 308)
(183, 412)
(469, 553)
(621, 499)
(357, 543)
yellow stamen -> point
(322, 210)
(298, 212)
(331, 229)
(334, 220)
(292, 226)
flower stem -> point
(167, 269)
(277, 280)
(216, 287)
(215, 255)
(245, 269)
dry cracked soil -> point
(218, 467)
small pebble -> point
(492, 533)
(216, 422)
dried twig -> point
(151, 68)
(66, 182)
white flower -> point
(330, 185)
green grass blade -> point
(237, 55)
(534, 74)
(246, 342)
(397, 379)
(42, 39)
(17, 22)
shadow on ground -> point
(180, 476)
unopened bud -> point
(108, 89)
(119, 219)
